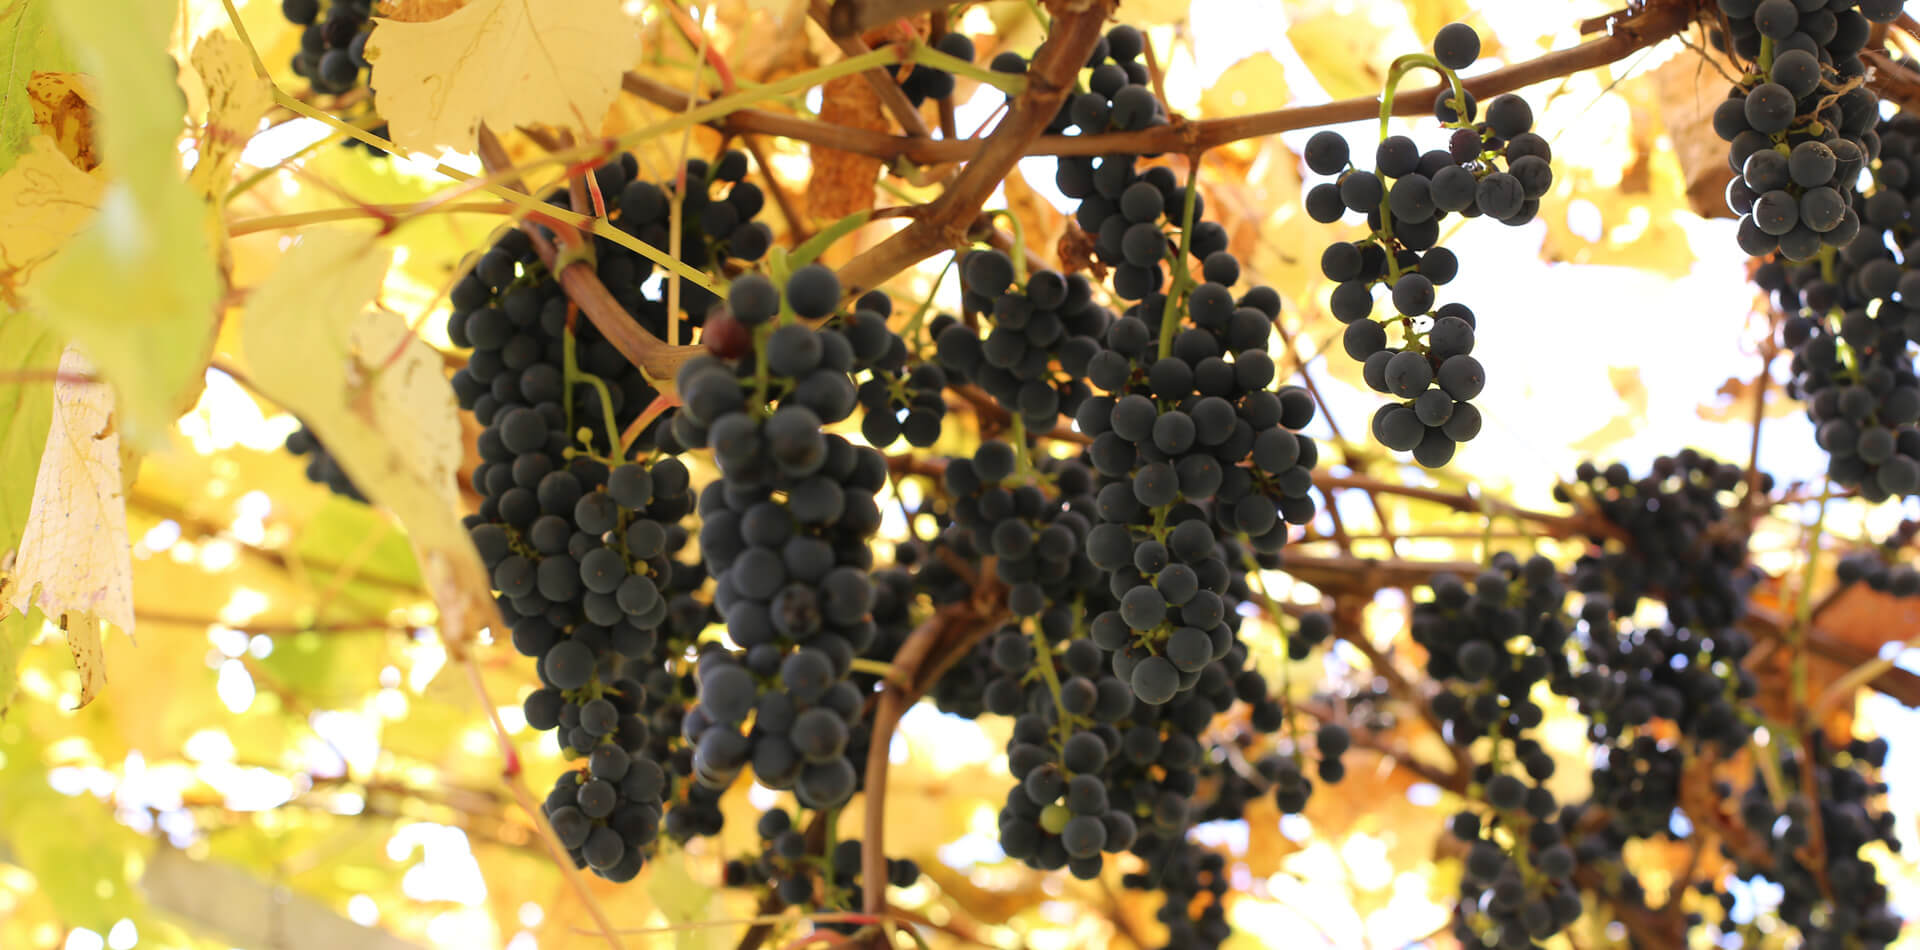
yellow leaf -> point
(43, 201)
(1343, 49)
(502, 62)
(236, 99)
(149, 238)
(418, 11)
(63, 108)
(1255, 84)
(74, 562)
(1633, 397)
(377, 399)
(1144, 13)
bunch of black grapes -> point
(1497, 168)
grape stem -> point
(911, 332)
(1182, 279)
(1019, 250)
(924, 55)
(1803, 610)
(1399, 70)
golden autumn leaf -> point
(502, 62)
(74, 564)
(377, 399)
(1255, 84)
(44, 199)
(236, 99)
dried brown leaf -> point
(63, 110)
(842, 182)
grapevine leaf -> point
(74, 562)
(502, 62)
(63, 109)
(236, 99)
(33, 45)
(151, 234)
(1344, 48)
(1255, 84)
(376, 397)
(682, 898)
(75, 850)
(43, 201)
(26, 411)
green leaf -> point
(336, 532)
(682, 899)
(26, 412)
(73, 847)
(137, 289)
(16, 631)
(32, 45)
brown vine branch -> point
(1055, 67)
(953, 624)
(1631, 33)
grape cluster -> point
(900, 400)
(1040, 338)
(718, 233)
(1802, 130)
(582, 587)
(1898, 580)
(513, 314)
(1036, 540)
(926, 82)
(1497, 168)
(1799, 126)
(785, 532)
(1840, 902)
(1682, 541)
(1859, 383)
(321, 468)
(333, 48)
(1195, 882)
(1491, 644)
(785, 865)
(1115, 97)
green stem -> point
(762, 376)
(911, 332)
(1019, 254)
(571, 374)
(925, 55)
(1399, 70)
(1023, 462)
(1046, 23)
(1280, 626)
(1182, 280)
(1766, 54)
(1043, 660)
(1803, 612)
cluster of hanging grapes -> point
(1824, 186)
(700, 578)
